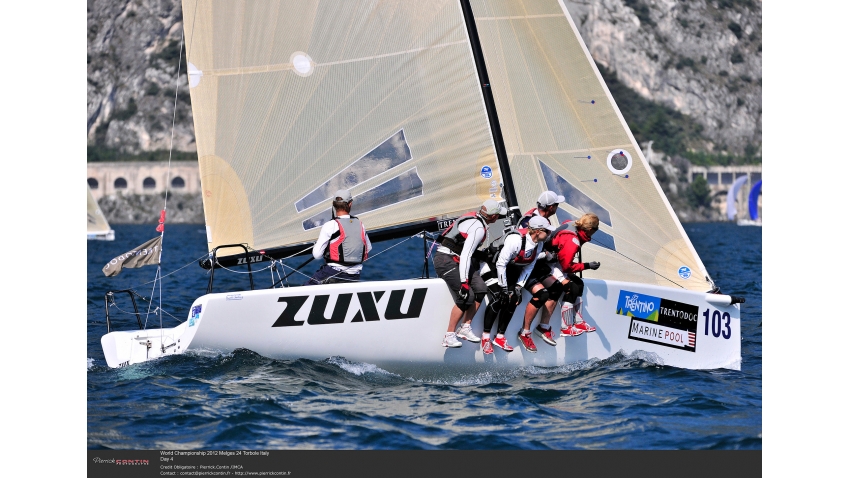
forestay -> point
(294, 100)
(563, 132)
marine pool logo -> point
(660, 321)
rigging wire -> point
(417, 235)
(636, 262)
(161, 228)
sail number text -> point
(720, 323)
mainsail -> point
(294, 100)
(732, 198)
(96, 223)
(563, 132)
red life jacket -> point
(566, 226)
(348, 245)
(523, 221)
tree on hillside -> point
(699, 194)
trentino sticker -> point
(660, 321)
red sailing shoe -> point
(526, 342)
(585, 327)
(502, 343)
(486, 346)
(571, 331)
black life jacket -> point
(452, 238)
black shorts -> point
(542, 274)
(447, 269)
(539, 274)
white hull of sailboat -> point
(124, 348)
(749, 222)
(399, 326)
(101, 236)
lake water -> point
(244, 401)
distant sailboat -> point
(98, 228)
(753, 207)
(732, 198)
(394, 101)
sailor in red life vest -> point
(547, 205)
(513, 264)
(564, 244)
(343, 243)
(455, 264)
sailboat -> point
(752, 207)
(422, 110)
(732, 198)
(97, 227)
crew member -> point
(547, 205)
(506, 276)
(343, 243)
(455, 264)
(562, 246)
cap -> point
(491, 206)
(539, 222)
(548, 198)
(344, 194)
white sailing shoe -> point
(465, 333)
(450, 340)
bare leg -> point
(454, 318)
(548, 309)
(530, 310)
(470, 313)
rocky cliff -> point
(133, 51)
(701, 58)
(144, 209)
(686, 74)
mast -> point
(498, 141)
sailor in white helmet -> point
(343, 243)
(455, 264)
